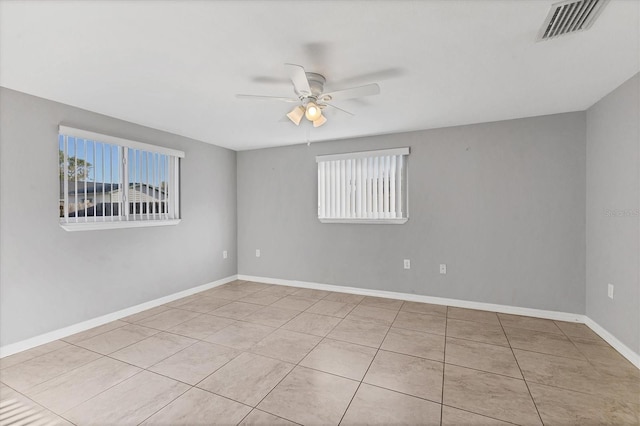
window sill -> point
(97, 226)
(388, 221)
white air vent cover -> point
(570, 16)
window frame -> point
(401, 189)
(125, 219)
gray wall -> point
(51, 278)
(613, 200)
(502, 204)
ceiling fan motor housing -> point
(316, 83)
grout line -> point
(478, 414)
(521, 372)
(369, 367)
(444, 363)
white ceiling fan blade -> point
(354, 92)
(340, 109)
(299, 79)
(267, 98)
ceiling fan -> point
(309, 89)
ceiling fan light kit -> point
(309, 87)
(296, 114)
(319, 121)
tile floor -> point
(256, 354)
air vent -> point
(570, 16)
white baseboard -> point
(505, 309)
(95, 322)
(624, 350)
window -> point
(363, 187)
(108, 182)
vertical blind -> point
(109, 179)
(363, 186)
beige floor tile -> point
(286, 345)
(536, 341)
(12, 402)
(145, 314)
(23, 356)
(341, 358)
(280, 290)
(318, 325)
(247, 379)
(76, 386)
(198, 407)
(482, 356)
(574, 329)
(492, 395)
(228, 293)
(310, 397)
(194, 363)
(28, 374)
(382, 302)
(183, 300)
(359, 332)
(372, 314)
(334, 309)
(261, 418)
(201, 326)
(250, 286)
(530, 323)
(455, 417)
(419, 322)
(416, 343)
(567, 373)
(295, 303)
(236, 310)
(310, 293)
(472, 315)
(84, 335)
(407, 374)
(596, 352)
(424, 308)
(477, 331)
(377, 406)
(204, 304)
(129, 402)
(117, 339)
(563, 407)
(348, 298)
(261, 298)
(167, 319)
(241, 335)
(153, 349)
(271, 316)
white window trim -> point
(97, 226)
(85, 134)
(108, 222)
(403, 152)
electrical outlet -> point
(224, 254)
(443, 268)
(257, 252)
(407, 264)
(610, 290)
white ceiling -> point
(176, 65)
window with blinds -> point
(363, 187)
(108, 182)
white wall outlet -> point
(224, 254)
(407, 264)
(443, 268)
(610, 290)
(257, 252)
